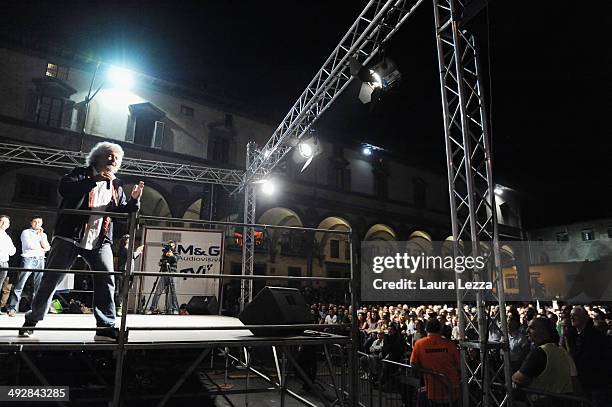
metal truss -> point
(472, 201)
(376, 23)
(248, 233)
(48, 157)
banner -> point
(197, 252)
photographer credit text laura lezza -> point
(402, 263)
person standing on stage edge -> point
(7, 248)
(34, 245)
(93, 188)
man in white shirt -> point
(7, 248)
(90, 188)
(34, 245)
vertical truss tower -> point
(248, 233)
(472, 204)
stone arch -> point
(152, 202)
(380, 231)
(323, 239)
(193, 210)
(281, 217)
(419, 242)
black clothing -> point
(75, 188)
(592, 354)
(534, 363)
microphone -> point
(108, 182)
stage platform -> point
(141, 338)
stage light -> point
(367, 151)
(498, 191)
(305, 149)
(120, 77)
(380, 78)
(268, 187)
(308, 148)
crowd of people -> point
(557, 349)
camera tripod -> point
(166, 285)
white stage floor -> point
(143, 338)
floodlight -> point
(381, 77)
(268, 187)
(120, 77)
(306, 149)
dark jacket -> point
(592, 352)
(75, 188)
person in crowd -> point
(439, 354)
(517, 343)
(34, 245)
(568, 334)
(90, 188)
(331, 317)
(455, 331)
(419, 331)
(183, 309)
(593, 356)
(371, 362)
(7, 248)
(548, 367)
(5, 293)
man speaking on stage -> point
(93, 188)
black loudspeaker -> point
(277, 306)
(203, 305)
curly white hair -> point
(101, 149)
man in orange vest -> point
(438, 354)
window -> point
(510, 282)
(562, 237)
(347, 250)
(56, 71)
(419, 192)
(339, 177)
(187, 111)
(50, 111)
(35, 190)
(49, 103)
(145, 126)
(334, 249)
(587, 235)
(218, 148)
(380, 179)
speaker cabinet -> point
(203, 305)
(277, 306)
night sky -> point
(549, 66)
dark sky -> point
(549, 65)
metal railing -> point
(119, 354)
(526, 397)
(385, 383)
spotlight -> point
(379, 78)
(268, 187)
(498, 190)
(306, 150)
(367, 151)
(120, 77)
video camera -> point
(167, 256)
